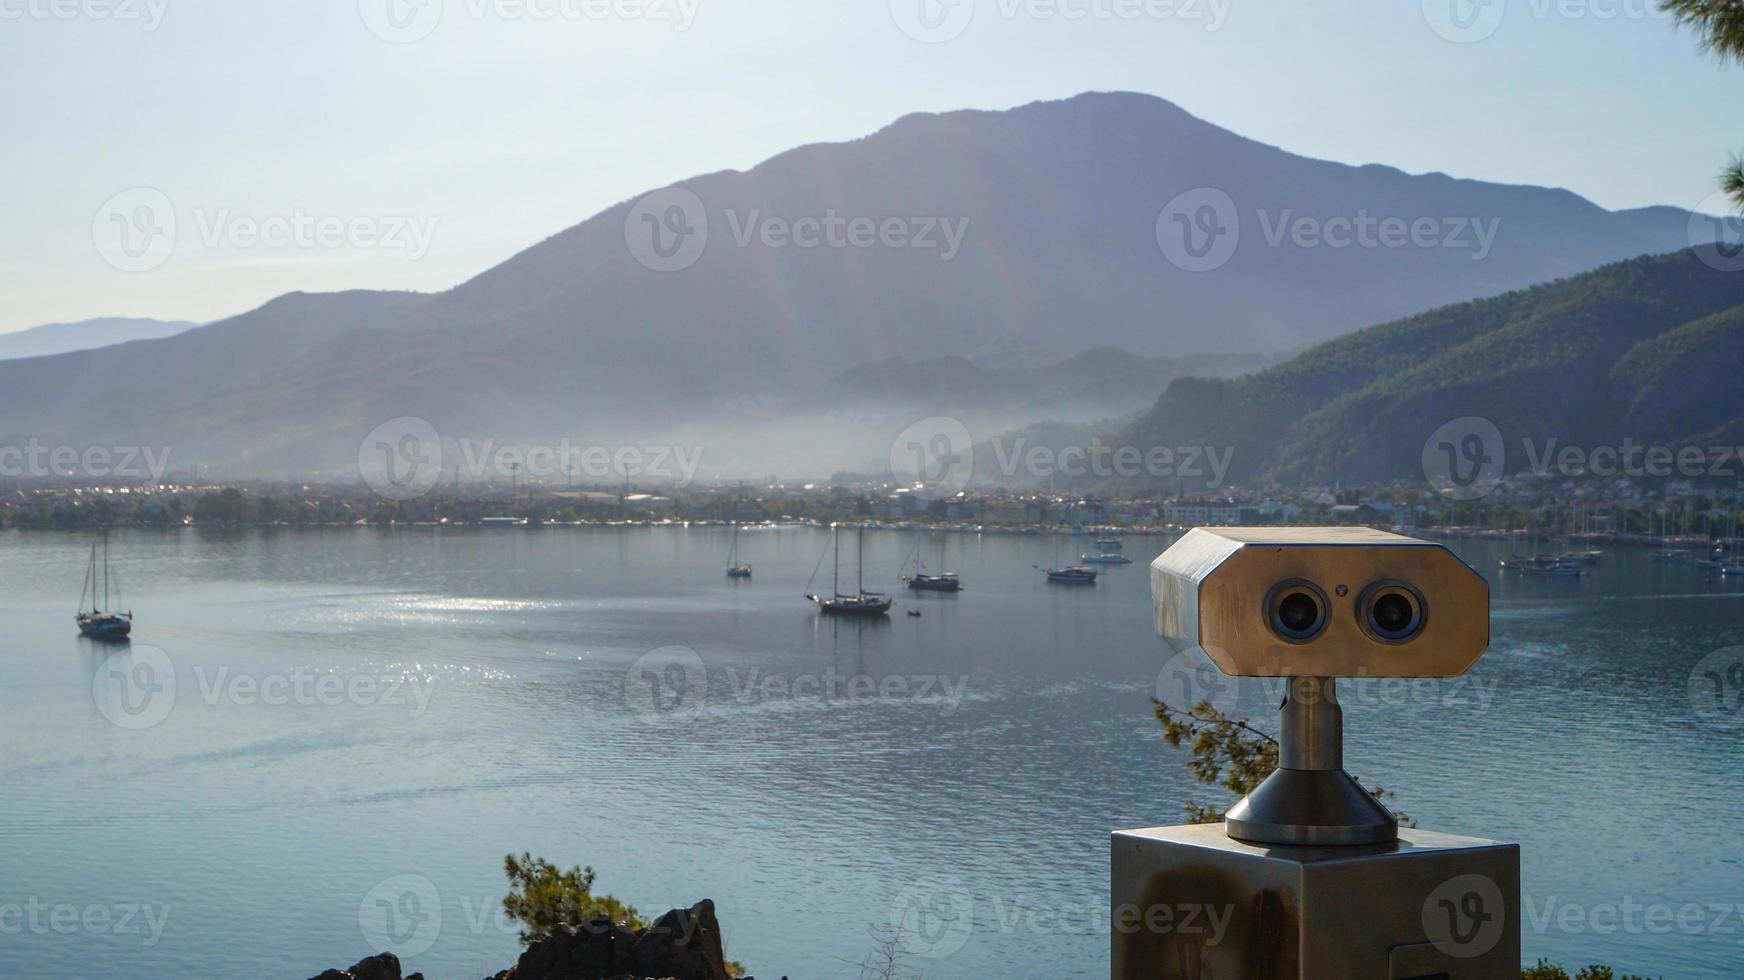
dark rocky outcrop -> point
(383, 967)
(683, 944)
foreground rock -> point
(683, 944)
(383, 967)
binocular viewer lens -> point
(1388, 611)
(1296, 609)
(1391, 612)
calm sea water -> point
(323, 741)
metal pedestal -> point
(1189, 903)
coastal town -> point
(1620, 511)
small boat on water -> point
(1555, 569)
(734, 569)
(942, 582)
(1104, 558)
(1552, 567)
(1669, 557)
(1072, 575)
(102, 622)
(920, 580)
(859, 602)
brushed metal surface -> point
(1210, 593)
(1310, 913)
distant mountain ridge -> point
(1096, 383)
(1645, 352)
(62, 338)
(580, 337)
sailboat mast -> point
(105, 571)
(860, 562)
(87, 586)
(836, 557)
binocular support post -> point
(1310, 801)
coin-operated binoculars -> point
(1309, 876)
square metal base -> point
(1189, 903)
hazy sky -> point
(479, 127)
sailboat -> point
(734, 569)
(99, 622)
(1667, 554)
(1070, 574)
(857, 603)
(922, 581)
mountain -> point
(1645, 353)
(59, 338)
(942, 235)
(1092, 384)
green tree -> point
(541, 897)
(1227, 752)
(1544, 971)
(1720, 25)
(224, 508)
(268, 511)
